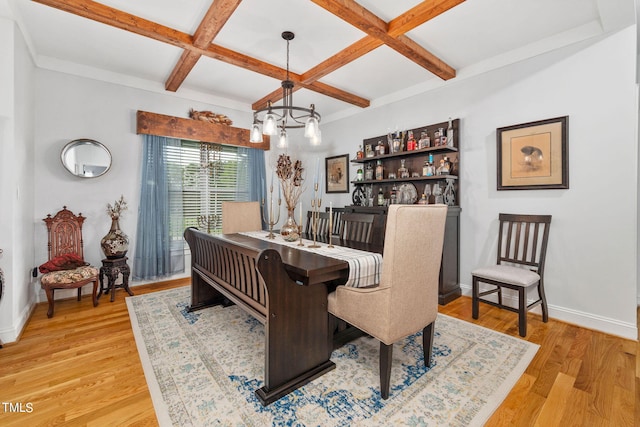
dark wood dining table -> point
(303, 319)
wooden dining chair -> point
(66, 268)
(357, 227)
(241, 216)
(522, 249)
(337, 219)
(406, 300)
(323, 224)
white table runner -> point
(364, 267)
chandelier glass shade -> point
(274, 120)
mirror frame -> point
(80, 142)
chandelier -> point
(276, 119)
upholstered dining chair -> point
(241, 216)
(406, 299)
(66, 268)
(357, 227)
(521, 253)
(323, 224)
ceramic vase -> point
(115, 244)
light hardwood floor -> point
(81, 367)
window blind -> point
(201, 177)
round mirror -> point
(86, 158)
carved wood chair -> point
(241, 216)
(522, 249)
(66, 266)
(323, 224)
(406, 300)
(357, 227)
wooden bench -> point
(298, 345)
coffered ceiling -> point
(346, 55)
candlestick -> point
(271, 221)
(330, 223)
(316, 202)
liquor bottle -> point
(446, 166)
(380, 197)
(359, 175)
(379, 170)
(360, 153)
(380, 148)
(424, 141)
(368, 173)
(403, 172)
(443, 137)
(425, 168)
(394, 195)
(450, 134)
(431, 171)
(411, 143)
(423, 200)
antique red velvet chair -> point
(66, 268)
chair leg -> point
(50, 295)
(79, 293)
(475, 302)
(522, 311)
(427, 343)
(95, 293)
(543, 298)
(386, 353)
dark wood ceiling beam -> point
(116, 18)
(366, 21)
(218, 14)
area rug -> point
(202, 369)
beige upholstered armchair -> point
(406, 300)
(241, 216)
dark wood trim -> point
(196, 130)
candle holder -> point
(330, 228)
(300, 234)
(271, 221)
(208, 221)
(316, 203)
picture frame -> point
(534, 155)
(337, 174)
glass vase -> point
(289, 230)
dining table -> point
(302, 317)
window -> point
(201, 177)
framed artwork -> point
(534, 156)
(337, 174)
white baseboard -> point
(11, 333)
(579, 318)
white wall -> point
(16, 176)
(71, 107)
(592, 259)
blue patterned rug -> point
(202, 369)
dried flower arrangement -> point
(291, 179)
(208, 116)
(118, 206)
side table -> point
(112, 268)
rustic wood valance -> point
(195, 130)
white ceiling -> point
(473, 37)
